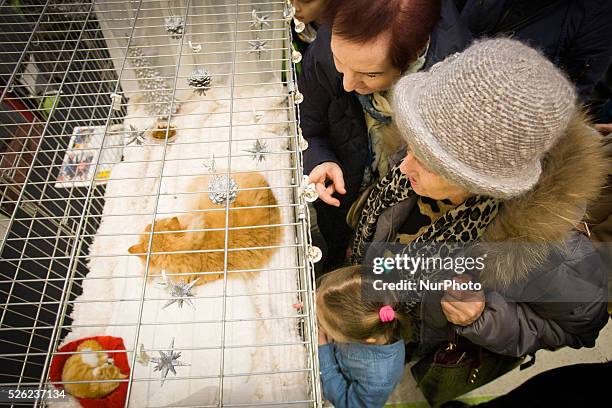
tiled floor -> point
(409, 396)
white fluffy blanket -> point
(114, 286)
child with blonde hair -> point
(361, 350)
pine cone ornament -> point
(200, 80)
(175, 26)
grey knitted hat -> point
(484, 118)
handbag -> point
(457, 368)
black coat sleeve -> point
(317, 83)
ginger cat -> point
(188, 266)
(91, 367)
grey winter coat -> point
(553, 293)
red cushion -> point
(115, 399)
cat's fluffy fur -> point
(189, 266)
(91, 366)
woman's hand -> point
(462, 307)
(328, 171)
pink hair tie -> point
(386, 314)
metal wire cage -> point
(118, 116)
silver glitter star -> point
(259, 150)
(181, 292)
(167, 361)
(257, 46)
(259, 22)
(135, 136)
(175, 26)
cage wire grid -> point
(104, 133)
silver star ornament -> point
(135, 136)
(259, 22)
(259, 151)
(167, 361)
(180, 292)
(257, 46)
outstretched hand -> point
(321, 174)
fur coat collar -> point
(573, 173)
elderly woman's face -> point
(428, 184)
(366, 68)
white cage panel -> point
(151, 175)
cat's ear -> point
(174, 224)
(148, 228)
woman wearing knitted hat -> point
(498, 144)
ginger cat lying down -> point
(91, 367)
(189, 266)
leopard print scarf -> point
(464, 223)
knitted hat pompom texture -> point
(484, 118)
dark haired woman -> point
(347, 74)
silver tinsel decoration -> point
(257, 46)
(167, 361)
(298, 97)
(288, 12)
(299, 26)
(142, 357)
(309, 190)
(258, 115)
(175, 25)
(223, 188)
(296, 56)
(259, 22)
(135, 136)
(156, 92)
(259, 150)
(180, 292)
(195, 48)
(200, 80)
(302, 143)
(314, 254)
